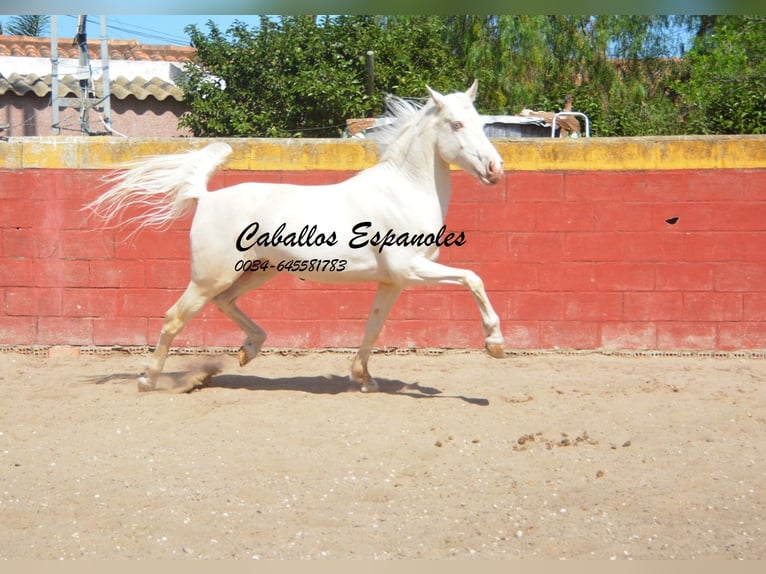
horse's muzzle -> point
(494, 172)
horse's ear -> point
(435, 96)
(471, 92)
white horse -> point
(385, 224)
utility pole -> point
(86, 100)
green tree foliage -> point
(305, 75)
(27, 25)
(723, 84)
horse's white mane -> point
(401, 114)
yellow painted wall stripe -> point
(523, 154)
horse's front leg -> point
(385, 297)
(426, 271)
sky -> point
(152, 29)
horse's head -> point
(460, 135)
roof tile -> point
(37, 47)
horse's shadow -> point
(186, 381)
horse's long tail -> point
(163, 187)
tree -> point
(28, 25)
(723, 84)
(305, 75)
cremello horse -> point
(385, 224)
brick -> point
(479, 246)
(532, 186)
(742, 335)
(149, 244)
(51, 214)
(509, 276)
(598, 186)
(569, 335)
(60, 273)
(713, 307)
(524, 335)
(656, 186)
(118, 273)
(465, 217)
(691, 216)
(294, 334)
(628, 336)
(725, 246)
(624, 276)
(311, 305)
(33, 301)
(80, 184)
(16, 272)
(18, 213)
(420, 303)
(740, 277)
(652, 306)
(535, 247)
(740, 216)
(505, 218)
(87, 244)
(653, 246)
(405, 333)
(754, 307)
(168, 273)
(221, 332)
(564, 216)
(686, 335)
(755, 185)
(260, 304)
(450, 334)
(18, 330)
(715, 185)
(468, 188)
(342, 333)
(560, 277)
(684, 276)
(88, 302)
(64, 331)
(623, 216)
(25, 184)
(537, 306)
(592, 247)
(146, 302)
(120, 331)
(593, 306)
(31, 243)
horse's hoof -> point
(370, 386)
(144, 385)
(495, 350)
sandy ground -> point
(460, 456)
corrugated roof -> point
(36, 47)
(121, 87)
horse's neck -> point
(416, 158)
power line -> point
(140, 31)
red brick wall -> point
(569, 259)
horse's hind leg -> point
(177, 316)
(226, 302)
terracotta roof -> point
(35, 47)
(121, 87)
